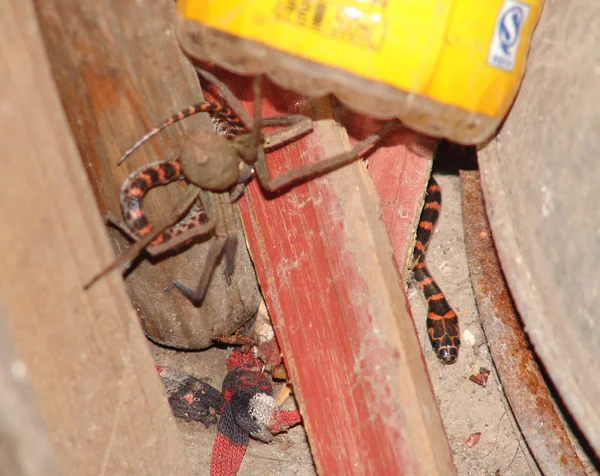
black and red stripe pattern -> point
(135, 188)
(442, 321)
(250, 411)
(217, 111)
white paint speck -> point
(18, 370)
(468, 337)
(547, 201)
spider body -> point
(210, 162)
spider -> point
(217, 168)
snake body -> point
(442, 322)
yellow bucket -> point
(447, 68)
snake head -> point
(447, 355)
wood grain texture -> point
(25, 448)
(119, 71)
(400, 168)
(326, 270)
(89, 364)
(540, 180)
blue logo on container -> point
(507, 34)
(510, 27)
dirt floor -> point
(466, 408)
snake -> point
(442, 322)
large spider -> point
(217, 168)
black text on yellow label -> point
(364, 26)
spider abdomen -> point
(209, 161)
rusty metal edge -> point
(515, 363)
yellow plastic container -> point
(446, 68)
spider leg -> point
(224, 244)
(247, 145)
(230, 248)
(183, 206)
(297, 125)
(317, 169)
(212, 260)
(230, 227)
(246, 175)
(302, 123)
(116, 222)
(226, 93)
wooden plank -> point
(89, 364)
(539, 179)
(325, 266)
(24, 445)
(119, 71)
(400, 168)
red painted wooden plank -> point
(399, 168)
(339, 310)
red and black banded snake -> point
(442, 321)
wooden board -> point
(325, 266)
(119, 71)
(399, 168)
(87, 359)
(540, 180)
(25, 448)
